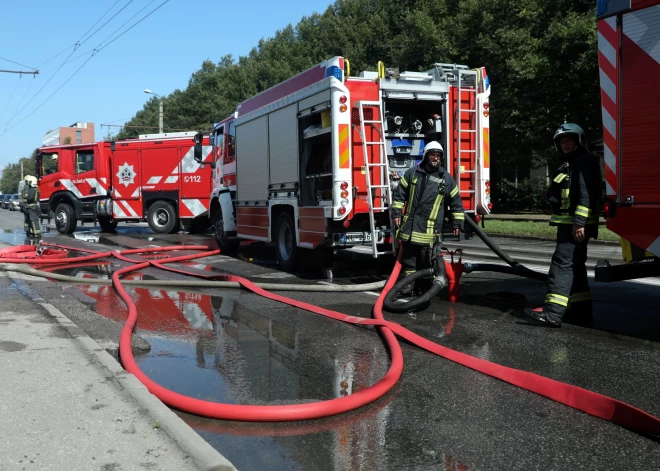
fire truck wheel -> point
(65, 219)
(285, 241)
(227, 245)
(107, 224)
(162, 218)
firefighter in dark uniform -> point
(29, 200)
(418, 209)
(575, 196)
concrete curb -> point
(204, 455)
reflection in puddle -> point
(217, 349)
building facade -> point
(77, 133)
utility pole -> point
(160, 110)
(160, 115)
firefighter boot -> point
(538, 316)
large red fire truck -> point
(311, 162)
(629, 57)
(154, 177)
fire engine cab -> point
(629, 58)
(153, 178)
(311, 162)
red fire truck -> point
(629, 57)
(311, 162)
(153, 178)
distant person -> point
(575, 196)
(418, 209)
(29, 202)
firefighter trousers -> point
(32, 220)
(568, 285)
(417, 257)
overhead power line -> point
(75, 47)
(108, 37)
(96, 51)
(18, 63)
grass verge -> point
(536, 229)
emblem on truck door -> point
(126, 174)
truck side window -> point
(231, 153)
(84, 161)
(49, 164)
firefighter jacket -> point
(29, 196)
(575, 191)
(424, 196)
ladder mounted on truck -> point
(380, 192)
(466, 81)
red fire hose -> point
(582, 399)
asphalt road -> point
(232, 346)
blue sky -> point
(160, 54)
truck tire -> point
(162, 218)
(228, 245)
(65, 219)
(285, 242)
(107, 224)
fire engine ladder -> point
(466, 82)
(382, 192)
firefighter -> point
(30, 206)
(418, 209)
(575, 196)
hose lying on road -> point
(523, 271)
(520, 271)
(587, 401)
(328, 288)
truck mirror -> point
(198, 153)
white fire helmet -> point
(570, 128)
(32, 180)
(433, 145)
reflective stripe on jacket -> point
(424, 196)
(575, 192)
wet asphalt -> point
(235, 347)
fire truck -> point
(153, 178)
(310, 164)
(628, 58)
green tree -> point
(11, 174)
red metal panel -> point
(638, 224)
(312, 224)
(250, 231)
(639, 4)
(640, 162)
(252, 221)
(312, 212)
(305, 79)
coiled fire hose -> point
(587, 401)
(437, 272)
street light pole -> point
(21, 161)
(160, 115)
(160, 109)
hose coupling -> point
(440, 280)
